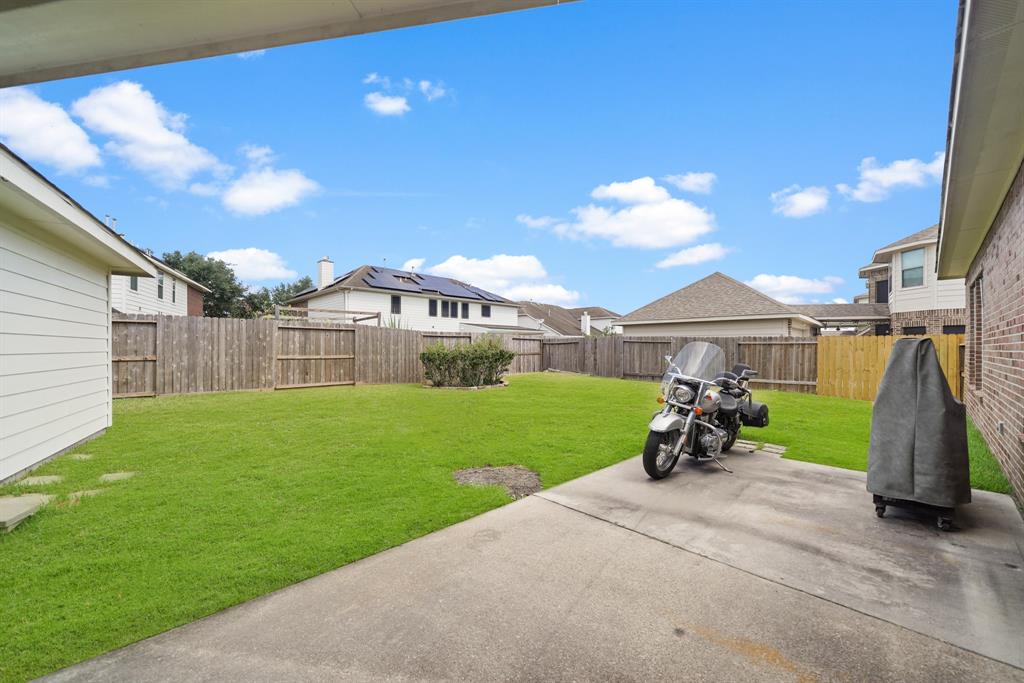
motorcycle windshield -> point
(702, 360)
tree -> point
(261, 302)
(282, 293)
(226, 297)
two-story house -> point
(902, 275)
(408, 300)
(171, 292)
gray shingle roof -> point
(929, 233)
(843, 311)
(392, 280)
(594, 311)
(716, 296)
(561, 320)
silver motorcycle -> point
(704, 409)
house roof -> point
(564, 321)
(844, 312)
(29, 194)
(984, 132)
(159, 263)
(929, 234)
(594, 311)
(392, 280)
(715, 296)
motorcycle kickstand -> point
(719, 463)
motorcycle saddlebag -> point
(754, 415)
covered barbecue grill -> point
(918, 453)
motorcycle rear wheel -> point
(657, 462)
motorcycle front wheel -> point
(658, 457)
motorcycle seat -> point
(729, 404)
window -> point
(915, 330)
(174, 290)
(882, 292)
(454, 310)
(432, 308)
(485, 310)
(444, 309)
(913, 268)
(465, 310)
(975, 319)
(160, 286)
(883, 330)
(952, 329)
(396, 304)
(133, 283)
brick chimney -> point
(324, 272)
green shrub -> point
(469, 365)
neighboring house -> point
(556, 321)
(902, 275)
(408, 300)
(56, 265)
(981, 235)
(847, 318)
(169, 293)
(718, 306)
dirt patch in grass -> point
(518, 481)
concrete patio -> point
(780, 571)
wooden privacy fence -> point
(852, 367)
(176, 355)
(155, 355)
(788, 363)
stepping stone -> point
(116, 476)
(14, 509)
(41, 481)
(78, 495)
(81, 456)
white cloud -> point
(205, 189)
(653, 220)
(700, 183)
(839, 300)
(373, 78)
(791, 289)
(97, 181)
(535, 222)
(639, 191)
(264, 190)
(701, 253)
(432, 91)
(797, 202)
(42, 131)
(252, 263)
(145, 134)
(413, 264)
(877, 182)
(547, 294)
(258, 155)
(251, 54)
(386, 105)
(514, 277)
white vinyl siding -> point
(934, 294)
(415, 313)
(773, 327)
(54, 347)
(145, 299)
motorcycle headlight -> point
(682, 394)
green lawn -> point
(243, 493)
(835, 431)
(240, 494)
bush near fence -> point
(174, 354)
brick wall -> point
(997, 405)
(933, 320)
(195, 302)
(874, 277)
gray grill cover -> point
(918, 431)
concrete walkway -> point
(780, 571)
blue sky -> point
(559, 138)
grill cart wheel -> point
(880, 510)
(945, 523)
